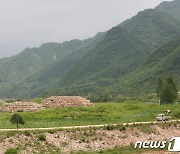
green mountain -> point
(118, 54)
(32, 60)
(172, 8)
(163, 63)
(125, 48)
(50, 76)
(35, 70)
(127, 59)
(61, 67)
(153, 27)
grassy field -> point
(100, 113)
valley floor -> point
(107, 139)
(100, 113)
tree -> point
(173, 86)
(170, 91)
(17, 119)
(167, 94)
(159, 89)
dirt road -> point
(86, 126)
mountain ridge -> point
(77, 75)
(113, 62)
(170, 7)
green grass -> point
(100, 113)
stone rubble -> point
(20, 107)
(66, 101)
(51, 102)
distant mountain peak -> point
(169, 3)
(170, 7)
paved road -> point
(86, 126)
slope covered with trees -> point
(153, 27)
(119, 53)
(35, 70)
(124, 49)
(164, 62)
(171, 8)
(127, 59)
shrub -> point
(42, 137)
(1, 103)
(64, 144)
(177, 115)
(147, 129)
(120, 98)
(27, 133)
(37, 100)
(51, 131)
(109, 127)
(11, 151)
(123, 128)
(9, 134)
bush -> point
(177, 115)
(123, 128)
(11, 151)
(120, 98)
(37, 100)
(109, 127)
(51, 131)
(42, 137)
(147, 129)
(64, 144)
(27, 133)
(1, 103)
(9, 134)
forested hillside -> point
(118, 54)
(163, 63)
(153, 27)
(32, 60)
(36, 70)
(124, 49)
(125, 60)
(171, 8)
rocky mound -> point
(66, 101)
(20, 107)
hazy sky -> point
(29, 23)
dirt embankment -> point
(88, 139)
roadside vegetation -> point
(100, 113)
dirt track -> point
(86, 126)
